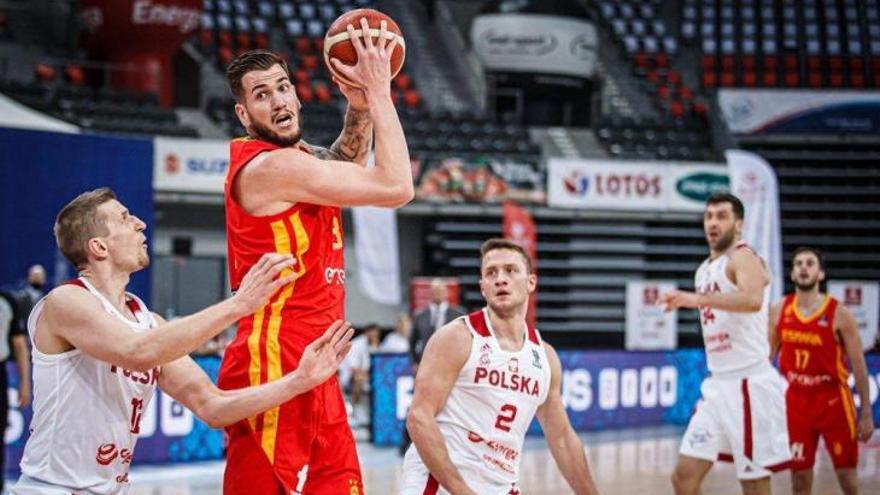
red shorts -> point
(314, 450)
(825, 411)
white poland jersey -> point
(86, 412)
(493, 401)
(734, 341)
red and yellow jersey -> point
(270, 342)
(810, 353)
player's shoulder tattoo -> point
(324, 153)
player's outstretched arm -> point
(772, 331)
(78, 319)
(188, 384)
(445, 355)
(746, 270)
(848, 328)
(566, 447)
(280, 175)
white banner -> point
(189, 165)
(863, 299)
(754, 183)
(625, 185)
(536, 43)
(750, 111)
(648, 327)
(378, 261)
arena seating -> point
(770, 43)
(637, 139)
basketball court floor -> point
(632, 461)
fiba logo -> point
(852, 296)
(172, 163)
(577, 183)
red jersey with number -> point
(270, 341)
(810, 354)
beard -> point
(265, 134)
(725, 240)
(807, 286)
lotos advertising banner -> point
(169, 431)
(533, 43)
(764, 111)
(648, 326)
(189, 165)
(633, 185)
(863, 300)
(600, 389)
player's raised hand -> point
(373, 68)
(322, 357)
(269, 274)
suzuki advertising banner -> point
(863, 300)
(600, 389)
(189, 165)
(633, 185)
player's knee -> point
(848, 483)
(801, 482)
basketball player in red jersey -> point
(285, 195)
(812, 332)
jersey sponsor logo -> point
(796, 378)
(508, 453)
(823, 321)
(718, 342)
(801, 337)
(149, 378)
(513, 381)
(109, 452)
(334, 276)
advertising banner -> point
(169, 431)
(600, 389)
(648, 326)
(863, 300)
(486, 180)
(633, 185)
(760, 111)
(189, 165)
(536, 43)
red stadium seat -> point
(305, 93)
(225, 54)
(814, 63)
(856, 63)
(412, 98)
(836, 80)
(835, 63)
(686, 94)
(301, 76)
(309, 62)
(728, 79)
(676, 110)
(770, 62)
(319, 45)
(709, 80)
(707, 63)
(224, 39)
(243, 41)
(748, 62)
(322, 93)
(303, 45)
(641, 60)
(674, 78)
(770, 79)
(791, 62)
(75, 75)
(701, 109)
(814, 80)
(728, 62)
(206, 37)
(402, 81)
(750, 79)
(663, 92)
(661, 60)
(45, 73)
(261, 40)
(857, 80)
(792, 80)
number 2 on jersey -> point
(508, 414)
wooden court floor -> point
(634, 461)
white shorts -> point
(30, 486)
(741, 420)
(418, 481)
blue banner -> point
(169, 431)
(600, 389)
(41, 171)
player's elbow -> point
(212, 417)
(755, 304)
(415, 421)
(401, 195)
(140, 356)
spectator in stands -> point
(427, 321)
(355, 370)
(12, 337)
(29, 293)
(398, 340)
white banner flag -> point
(375, 241)
(863, 299)
(754, 183)
(648, 327)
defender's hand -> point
(268, 275)
(322, 358)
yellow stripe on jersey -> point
(849, 407)
(254, 350)
(273, 347)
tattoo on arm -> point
(357, 136)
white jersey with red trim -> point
(491, 406)
(734, 341)
(87, 412)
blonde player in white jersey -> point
(482, 379)
(741, 416)
(99, 354)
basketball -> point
(338, 45)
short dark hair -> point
(808, 249)
(80, 221)
(497, 243)
(250, 61)
(739, 210)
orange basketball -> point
(338, 45)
